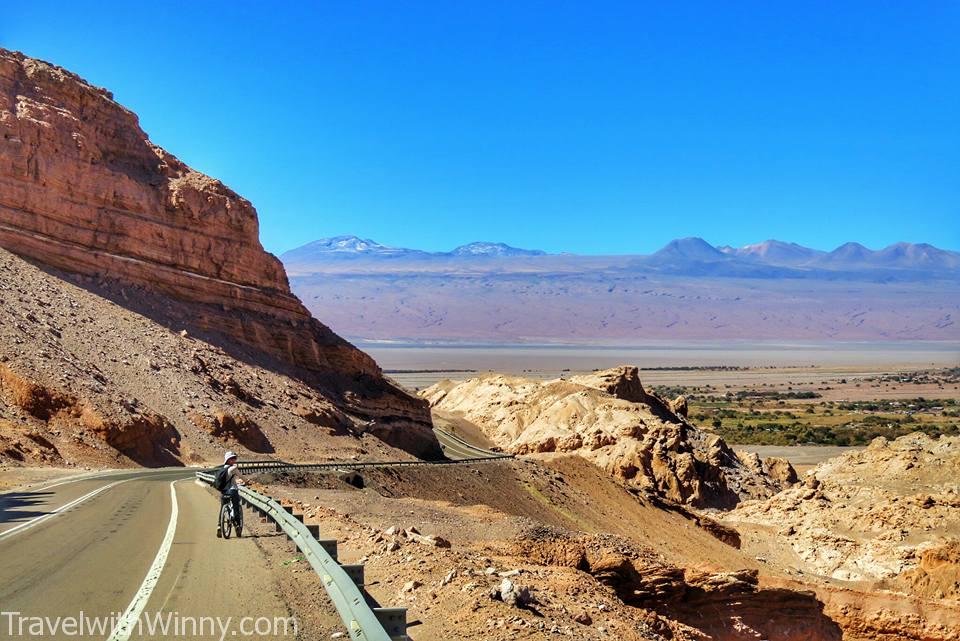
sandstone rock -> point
(679, 406)
(780, 470)
(83, 189)
(323, 416)
(145, 437)
(743, 607)
(719, 531)
(235, 428)
(431, 540)
(859, 517)
(937, 574)
(619, 382)
(148, 439)
(598, 417)
(35, 399)
(517, 596)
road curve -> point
(99, 546)
(457, 448)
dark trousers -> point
(232, 495)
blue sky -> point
(588, 127)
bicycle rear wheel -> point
(226, 523)
(239, 522)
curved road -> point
(458, 448)
(130, 543)
(108, 555)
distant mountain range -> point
(684, 255)
(687, 289)
(339, 247)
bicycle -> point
(228, 519)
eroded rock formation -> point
(608, 418)
(721, 605)
(937, 574)
(83, 189)
(872, 515)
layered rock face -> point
(84, 190)
(87, 381)
(608, 418)
(740, 606)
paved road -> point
(129, 543)
(456, 447)
(133, 555)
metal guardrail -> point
(362, 622)
(471, 453)
(450, 442)
(249, 466)
(344, 582)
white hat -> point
(228, 456)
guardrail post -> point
(330, 545)
(290, 510)
(343, 583)
(394, 621)
(355, 572)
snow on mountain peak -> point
(493, 249)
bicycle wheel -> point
(239, 522)
(226, 523)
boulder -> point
(517, 596)
(679, 406)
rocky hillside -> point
(885, 516)
(82, 189)
(608, 418)
(87, 381)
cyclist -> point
(230, 491)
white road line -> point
(63, 481)
(87, 476)
(92, 476)
(127, 622)
(72, 479)
(35, 521)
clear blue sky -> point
(589, 127)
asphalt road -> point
(457, 448)
(126, 547)
(133, 554)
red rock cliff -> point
(83, 189)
